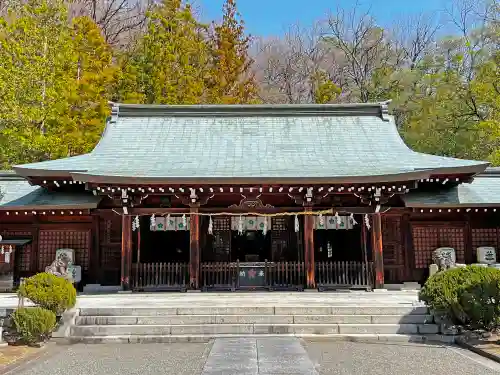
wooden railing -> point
(285, 275)
(160, 276)
(344, 275)
(219, 275)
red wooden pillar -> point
(309, 249)
(126, 251)
(194, 249)
(377, 249)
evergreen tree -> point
(231, 80)
(169, 65)
(55, 79)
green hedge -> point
(34, 324)
(49, 291)
(467, 296)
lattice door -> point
(51, 240)
(110, 231)
(23, 254)
(391, 240)
(221, 238)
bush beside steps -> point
(53, 295)
(466, 297)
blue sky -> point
(270, 17)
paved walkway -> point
(287, 356)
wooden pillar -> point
(126, 251)
(95, 255)
(309, 249)
(377, 250)
(194, 249)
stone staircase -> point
(202, 323)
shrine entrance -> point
(251, 252)
(340, 253)
(161, 256)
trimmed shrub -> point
(49, 291)
(481, 302)
(34, 324)
(458, 295)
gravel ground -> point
(347, 358)
(123, 359)
(332, 358)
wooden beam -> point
(377, 249)
(194, 249)
(236, 210)
(126, 251)
(309, 249)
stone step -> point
(125, 339)
(245, 329)
(253, 319)
(256, 310)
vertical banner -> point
(250, 223)
(320, 225)
(170, 223)
(261, 222)
(179, 223)
(159, 224)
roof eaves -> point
(120, 179)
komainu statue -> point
(59, 267)
(444, 257)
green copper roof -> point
(483, 191)
(17, 194)
(250, 142)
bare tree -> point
(413, 36)
(285, 67)
(364, 47)
(119, 20)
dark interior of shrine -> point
(339, 244)
(161, 246)
(250, 246)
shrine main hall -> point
(230, 197)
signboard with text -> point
(252, 276)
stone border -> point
(462, 342)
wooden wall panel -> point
(110, 238)
(23, 255)
(429, 236)
(392, 240)
(484, 237)
(52, 239)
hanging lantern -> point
(153, 222)
(240, 225)
(367, 221)
(321, 220)
(353, 220)
(210, 225)
(297, 225)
